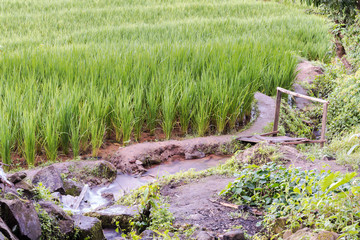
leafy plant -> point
(42, 193)
(330, 202)
(264, 185)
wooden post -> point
(277, 111)
(323, 123)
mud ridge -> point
(133, 158)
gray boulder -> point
(194, 155)
(105, 170)
(25, 188)
(234, 235)
(89, 227)
(22, 217)
(64, 221)
(16, 177)
(203, 235)
(72, 188)
(116, 213)
(5, 232)
(307, 233)
(50, 178)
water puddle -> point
(96, 196)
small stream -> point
(94, 197)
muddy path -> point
(197, 203)
(133, 158)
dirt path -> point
(195, 204)
(131, 159)
(307, 73)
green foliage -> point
(49, 225)
(343, 12)
(267, 184)
(295, 122)
(341, 146)
(330, 202)
(324, 84)
(351, 41)
(153, 213)
(42, 193)
(344, 111)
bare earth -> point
(194, 204)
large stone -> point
(234, 235)
(22, 217)
(203, 235)
(65, 222)
(194, 155)
(25, 188)
(105, 169)
(72, 188)
(307, 233)
(326, 235)
(116, 213)
(6, 232)
(88, 227)
(50, 178)
(16, 177)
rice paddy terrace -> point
(74, 74)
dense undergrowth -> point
(73, 74)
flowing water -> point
(94, 198)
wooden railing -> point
(279, 92)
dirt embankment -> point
(133, 158)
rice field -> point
(75, 73)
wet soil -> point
(196, 203)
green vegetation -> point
(42, 193)
(153, 214)
(329, 201)
(73, 73)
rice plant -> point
(29, 130)
(168, 109)
(6, 138)
(74, 73)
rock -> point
(50, 178)
(16, 177)
(138, 162)
(105, 169)
(25, 188)
(89, 227)
(108, 196)
(280, 225)
(66, 224)
(234, 235)
(287, 234)
(148, 235)
(307, 233)
(194, 155)
(72, 188)
(22, 217)
(121, 214)
(56, 196)
(202, 235)
(326, 235)
(6, 232)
